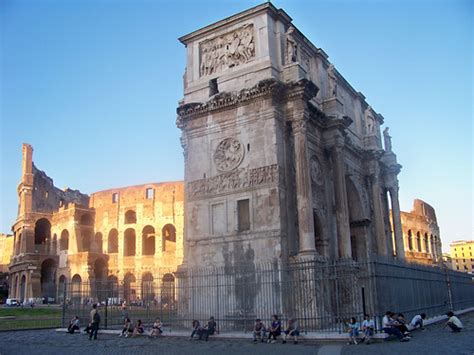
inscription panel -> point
(236, 180)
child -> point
(127, 328)
(73, 325)
(368, 327)
(275, 329)
(259, 331)
(139, 329)
(353, 330)
(417, 321)
(292, 330)
(401, 324)
(453, 322)
(156, 330)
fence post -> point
(64, 305)
(106, 313)
(448, 286)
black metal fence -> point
(320, 295)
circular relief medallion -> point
(316, 171)
(229, 154)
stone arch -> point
(113, 288)
(130, 242)
(148, 290)
(22, 295)
(100, 275)
(86, 240)
(112, 241)
(168, 289)
(76, 289)
(14, 287)
(357, 222)
(129, 284)
(96, 245)
(410, 240)
(61, 288)
(169, 237)
(426, 241)
(148, 240)
(48, 280)
(42, 231)
(64, 240)
(130, 217)
(418, 242)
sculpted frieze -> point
(228, 154)
(232, 181)
(227, 51)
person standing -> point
(95, 321)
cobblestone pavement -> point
(434, 340)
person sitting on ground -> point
(401, 323)
(259, 331)
(353, 330)
(156, 329)
(389, 326)
(453, 322)
(292, 330)
(417, 321)
(275, 329)
(73, 325)
(368, 327)
(139, 328)
(197, 329)
(127, 328)
(210, 328)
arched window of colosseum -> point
(85, 240)
(418, 241)
(427, 243)
(86, 220)
(130, 217)
(112, 241)
(47, 280)
(61, 288)
(148, 240)
(97, 243)
(76, 283)
(148, 290)
(169, 238)
(129, 287)
(64, 240)
(113, 289)
(410, 240)
(42, 231)
(167, 289)
(129, 242)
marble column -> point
(397, 223)
(378, 214)
(342, 211)
(303, 188)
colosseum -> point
(124, 236)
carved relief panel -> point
(229, 154)
(227, 51)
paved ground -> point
(434, 340)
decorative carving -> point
(332, 80)
(229, 154)
(232, 181)
(227, 51)
(299, 126)
(316, 171)
(291, 46)
(225, 99)
(370, 121)
(387, 139)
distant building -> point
(421, 234)
(6, 251)
(462, 255)
(123, 236)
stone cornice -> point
(264, 88)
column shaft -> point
(397, 223)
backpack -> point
(96, 318)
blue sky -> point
(94, 85)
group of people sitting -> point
(274, 330)
(204, 331)
(129, 329)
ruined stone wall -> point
(6, 251)
(421, 234)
